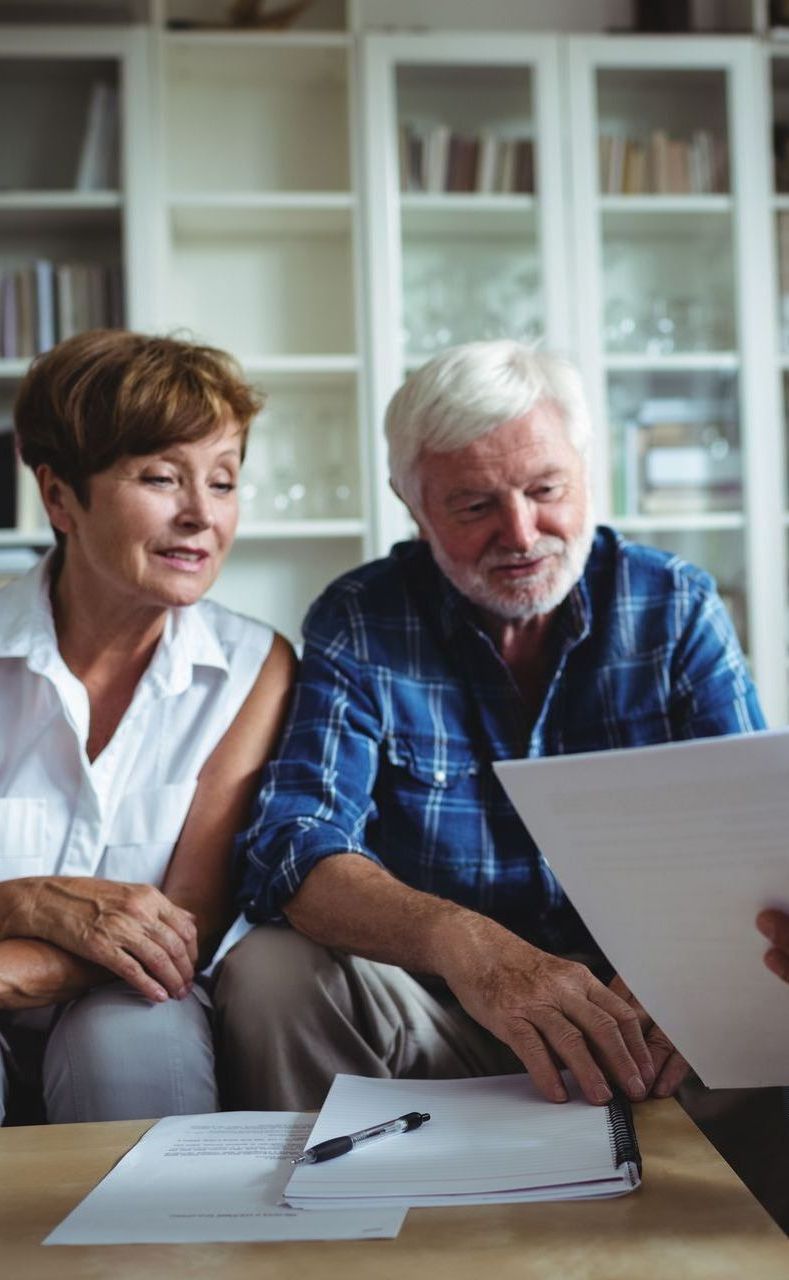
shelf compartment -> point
(662, 131)
(264, 295)
(465, 128)
(221, 99)
(668, 283)
(676, 450)
(301, 468)
(461, 288)
(48, 99)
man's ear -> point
(413, 514)
(59, 498)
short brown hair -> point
(109, 393)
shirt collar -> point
(27, 630)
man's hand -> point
(546, 1008)
(669, 1065)
(775, 927)
(132, 930)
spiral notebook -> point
(488, 1140)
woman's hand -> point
(132, 930)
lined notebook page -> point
(485, 1136)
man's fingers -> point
(614, 1031)
(570, 1045)
(530, 1047)
(671, 1076)
(661, 1048)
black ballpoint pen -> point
(348, 1141)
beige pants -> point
(291, 1014)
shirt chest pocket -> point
(424, 763)
(144, 831)
(23, 833)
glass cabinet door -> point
(466, 201)
(667, 269)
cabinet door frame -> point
(761, 427)
(380, 55)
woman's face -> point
(158, 527)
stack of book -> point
(435, 159)
(662, 165)
(44, 302)
(681, 456)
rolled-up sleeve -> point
(712, 690)
(316, 798)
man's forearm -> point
(541, 1006)
(351, 903)
(35, 973)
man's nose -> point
(518, 530)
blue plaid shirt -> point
(403, 703)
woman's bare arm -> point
(198, 878)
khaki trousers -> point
(290, 1014)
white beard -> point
(531, 598)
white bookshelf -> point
(260, 249)
(47, 78)
(260, 208)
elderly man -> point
(428, 935)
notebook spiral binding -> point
(622, 1132)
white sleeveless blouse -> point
(119, 817)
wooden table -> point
(691, 1220)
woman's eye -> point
(158, 481)
(224, 486)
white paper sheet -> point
(489, 1140)
(668, 853)
(196, 1179)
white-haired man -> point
(428, 936)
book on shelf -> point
(659, 164)
(679, 456)
(434, 158)
(97, 163)
(44, 302)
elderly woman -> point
(136, 717)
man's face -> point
(508, 517)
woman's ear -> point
(58, 498)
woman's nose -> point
(195, 508)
